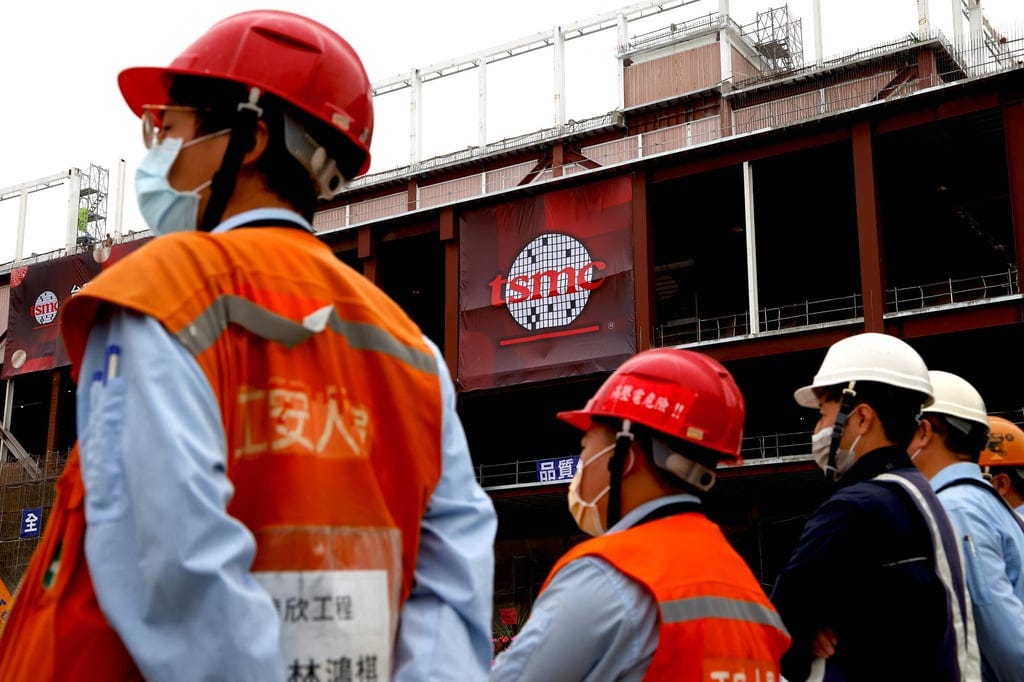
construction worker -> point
(658, 593)
(1002, 461)
(946, 447)
(876, 574)
(270, 480)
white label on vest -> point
(334, 624)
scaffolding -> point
(778, 39)
(92, 205)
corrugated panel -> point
(508, 177)
(452, 190)
(672, 75)
(5, 305)
(381, 207)
(742, 68)
(854, 93)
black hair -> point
(218, 100)
(1014, 473)
(966, 446)
(898, 409)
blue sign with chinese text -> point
(554, 470)
(31, 522)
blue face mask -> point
(164, 208)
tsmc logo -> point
(45, 308)
(549, 282)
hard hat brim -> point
(142, 85)
(806, 397)
(581, 419)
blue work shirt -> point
(993, 546)
(171, 568)
(590, 623)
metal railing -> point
(843, 309)
(891, 74)
(755, 450)
(953, 291)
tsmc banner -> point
(546, 286)
(38, 292)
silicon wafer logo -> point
(549, 282)
(46, 307)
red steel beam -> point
(869, 237)
(643, 263)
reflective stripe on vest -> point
(205, 329)
(715, 622)
(696, 608)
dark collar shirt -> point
(865, 566)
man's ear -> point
(867, 418)
(261, 137)
(1001, 482)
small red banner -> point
(38, 292)
(509, 616)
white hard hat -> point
(869, 356)
(955, 397)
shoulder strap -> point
(948, 566)
(985, 486)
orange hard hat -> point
(1005, 444)
(288, 55)
(679, 393)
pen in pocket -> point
(113, 358)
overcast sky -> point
(61, 107)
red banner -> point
(546, 286)
(37, 293)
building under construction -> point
(741, 202)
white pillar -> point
(748, 210)
(623, 38)
(481, 98)
(415, 119)
(976, 25)
(74, 196)
(724, 44)
(958, 24)
(19, 248)
(119, 208)
(818, 47)
(923, 22)
(559, 57)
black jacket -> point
(865, 567)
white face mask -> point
(820, 444)
(586, 514)
(164, 208)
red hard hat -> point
(295, 58)
(679, 393)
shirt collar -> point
(282, 214)
(637, 513)
(955, 472)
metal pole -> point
(623, 39)
(559, 59)
(748, 209)
(119, 209)
(74, 196)
(415, 120)
(481, 99)
(818, 49)
(19, 249)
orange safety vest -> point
(714, 621)
(331, 405)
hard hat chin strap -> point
(623, 442)
(242, 140)
(845, 409)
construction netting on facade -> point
(25, 502)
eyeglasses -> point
(153, 120)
